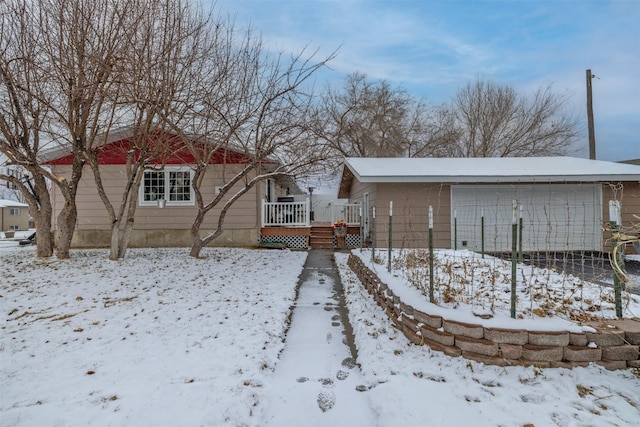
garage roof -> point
(488, 170)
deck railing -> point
(350, 213)
(297, 214)
(289, 214)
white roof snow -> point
(4, 203)
(490, 169)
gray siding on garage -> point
(556, 217)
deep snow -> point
(162, 339)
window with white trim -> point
(14, 227)
(11, 185)
(14, 211)
(170, 184)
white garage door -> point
(556, 217)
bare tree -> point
(22, 116)
(373, 119)
(165, 55)
(86, 44)
(73, 49)
(256, 105)
(491, 120)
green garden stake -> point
(482, 230)
(431, 297)
(520, 255)
(455, 229)
(390, 234)
(615, 219)
(514, 261)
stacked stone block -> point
(615, 344)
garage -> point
(555, 217)
(564, 201)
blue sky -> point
(432, 48)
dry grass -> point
(464, 277)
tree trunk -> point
(66, 226)
(44, 237)
(42, 213)
(196, 247)
(125, 237)
(196, 241)
(114, 250)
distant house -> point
(14, 216)
(563, 201)
(631, 161)
(166, 204)
(8, 190)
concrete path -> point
(317, 381)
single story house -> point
(563, 201)
(166, 200)
(14, 216)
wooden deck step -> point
(321, 237)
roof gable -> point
(168, 148)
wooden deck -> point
(319, 235)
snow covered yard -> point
(158, 338)
(412, 385)
(161, 339)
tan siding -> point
(7, 220)
(358, 190)
(411, 214)
(92, 214)
(628, 193)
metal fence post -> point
(455, 229)
(431, 263)
(615, 219)
(521, 226)
(390, 235)
(482, 229)
(514, 245)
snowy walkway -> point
(316, 381)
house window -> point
(172, 185)
(14, 227)
(179, 186)
(11, 185)
(14, 211)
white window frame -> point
(167, 170)
(14, 227)
(14, 211)
(15, 174)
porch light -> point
(311, 203)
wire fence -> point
(555, 237)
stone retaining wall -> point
(614, 345)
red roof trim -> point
(115, 153)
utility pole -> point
(592, 136)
